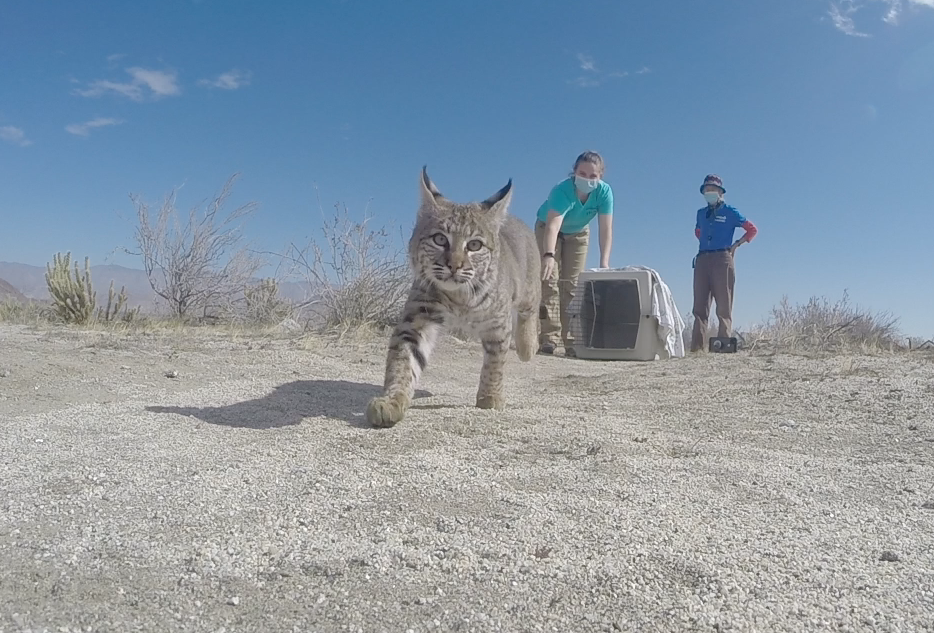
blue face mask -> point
(584, 185)
(712, 197)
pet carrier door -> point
(610, 313)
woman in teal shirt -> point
(563, 233)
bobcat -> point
(474, 264)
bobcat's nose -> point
(455, 264)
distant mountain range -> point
(24, 281)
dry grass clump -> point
(24, 312)
(820, 326)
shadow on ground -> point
(291, 403)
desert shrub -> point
(263, 305)
(20, 312)
(198, 264)
(822, 326)
(355, 276)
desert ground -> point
(200, 480)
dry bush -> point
(198, 264)
(23, 312)
(821, 326)
(356, 278)
(264, 306)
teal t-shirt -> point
(563, 200)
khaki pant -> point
(714, 277)
(570, 257)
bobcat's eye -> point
(474, 245)
(439, 239)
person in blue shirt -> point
(714, 271)
(563, 232)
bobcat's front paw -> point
(486, 401)
(385, 411)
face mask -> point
(711, 197)
(584, 185)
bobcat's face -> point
(452, 256)
(452, 245)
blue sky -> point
(817, 115)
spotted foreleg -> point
(491, 393)
(410, 347)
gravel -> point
(731, 492)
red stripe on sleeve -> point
(697, 232)
(751, 230)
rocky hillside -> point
(8, 292)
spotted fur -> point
(474, 264)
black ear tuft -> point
(501, 197)
(428, 186)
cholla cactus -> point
(74, 298)
(262, 294)
(114, 303)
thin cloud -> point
(891, 16)
(585, 82)
(162, 83)
(896, 8)
(586, 62)
(842, 12)
(84, 129)
(593, 77)
(145, 82)
(14, 135)
(230, 80)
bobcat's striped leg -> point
(409, 350)
(491, 393)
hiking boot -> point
(547, 348)
(569, 352)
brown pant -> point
(570, 257)
(714, 277)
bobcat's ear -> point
(498, 203)
(430, 194)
